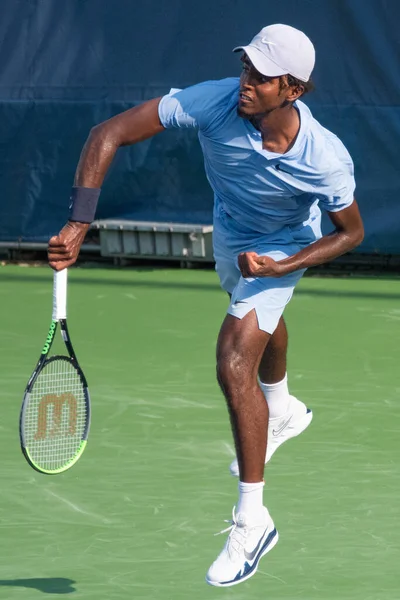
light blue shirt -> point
(261, 190)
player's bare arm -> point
(132, 126)
(348, 234)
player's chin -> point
(246, 110)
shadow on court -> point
(190, 285)
(49, 585)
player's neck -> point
(279, 129)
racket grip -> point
(60, 295)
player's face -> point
(258, 93)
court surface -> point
(135, 518)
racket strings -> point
(56, 415)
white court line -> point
(77, 508)
(272, 576)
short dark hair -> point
(307, 85)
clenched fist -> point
(253, 265)
(64, 248)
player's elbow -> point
(359, 236)
(355, 237)
(104, 135)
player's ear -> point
(294, 92)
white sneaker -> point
(281, 429)
(245, 545)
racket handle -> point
(60, 295)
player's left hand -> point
(253, 265)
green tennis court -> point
(135, 518)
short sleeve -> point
(336, 190)
(197, 106)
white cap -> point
(280, 50)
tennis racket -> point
(55, 412)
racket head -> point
(55, 416)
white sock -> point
(277, 397)
(251, 500)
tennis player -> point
(272, 168)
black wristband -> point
(83, 204)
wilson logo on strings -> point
(57, 402)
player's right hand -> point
(63, 249)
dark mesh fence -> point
(66, 66)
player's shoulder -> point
(330, 156)
(203, 105)
(211, 93)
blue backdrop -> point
(66, 66)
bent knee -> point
(234, 371)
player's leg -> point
(240, 346)
(288, 416)
(239, 350)
(272, 368)
(272, 372)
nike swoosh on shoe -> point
(282, 427)
(251, 555)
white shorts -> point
(268, 296)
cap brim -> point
(264, 65)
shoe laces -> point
(237, 535)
